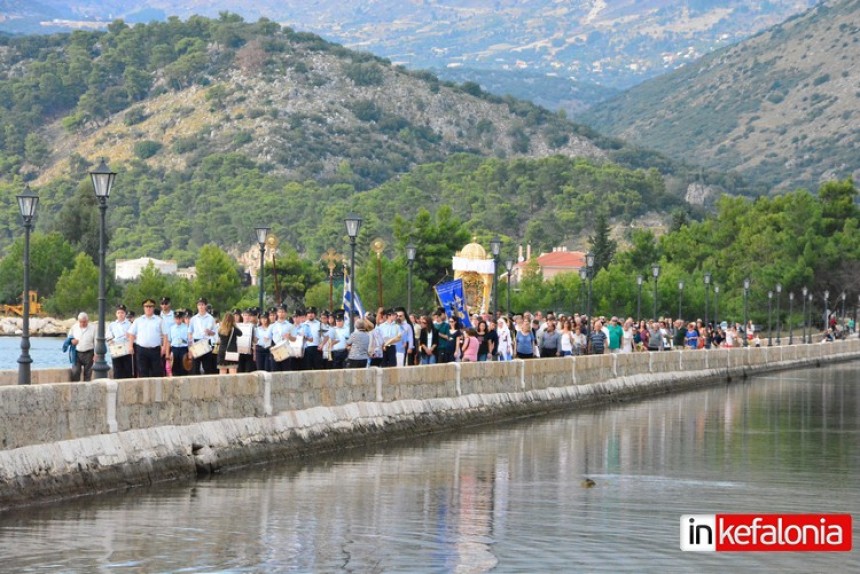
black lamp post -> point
(410, 261)
(716, 305)
(509, 265)
(583, 277)
(103, 179)
(589, 264)
(778, 320)
(262, 234)
(495, 248)
(804, 292)
(655, 272)
(680, 297)
(790, 324)
(27, 203)
(826, 310)
(811, 299)
(639, 281)
(707, 288)
(746, 311)
(843, 309)
(353, 225)
(769, 317)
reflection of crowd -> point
(177, 343)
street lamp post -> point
(716, 305)
(811, 299)
(262, 234)
(655, 272)
(27, 203)
(778, 319)
(103, 179)
(495, 248)
(790, 324)
(680, 297)
(583, 277)
(804, 291)
(707, 288)
(843, 310)
(589, 263)
(353, 225)
(509, 265)
(769, 317)
(746, 311)
(826, 310)
(639, 281)
(410, 260)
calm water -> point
(506, 498)
(46, 352)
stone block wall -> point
(491, 377)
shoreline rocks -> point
(39, 326)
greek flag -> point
(347, 304)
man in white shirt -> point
(123, 367)
(202, 327)
(84, 339)
(149, 342)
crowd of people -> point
(171, 342)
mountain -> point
(615, 44)
(217, 124)
(779, 108)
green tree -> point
(602, 245)
(295, 275)
(78, 221)
(217, 278)
(436, 239)
(77, 288)
(50, 255)
(150, 284)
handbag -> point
(231, 356)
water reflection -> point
(507, 499)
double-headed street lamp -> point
(790, 324)
(707, 288)
(262, 234)
(680, 297)
(27, 203)
(639, 281)
(778, 321)
(746, 311)
(353, 225)
(655, 272)
(103, 179)
(410, 261)
(495, 249)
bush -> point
(146, 149)
(134, 116)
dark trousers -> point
(178, 354)
(356, 363)
(123, 367)
(338, 359)
(149, 361)
(312, 359)
(263, 359)
(389, 356)
(246, 364)
(83, 364)
(207, 365)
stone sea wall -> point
(39, 326)
(64, 439)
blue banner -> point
(453, 300)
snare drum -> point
(281, 351)
(200, 348)
(118, 350)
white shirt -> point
(200, 324)
(118, 331)
(147, 331)
(86, 337)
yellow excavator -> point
(18, 310)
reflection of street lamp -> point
(769, 324)
(353, 225)
(746, 311)
(655, 272)
(27, 203)
(509, 265)
(716, 305)
(589, 264)
(707, 288)
(778, 320)
(262, 235)
(805, 292)
(639, 281)
(495, 248)
(410, 260)
(103, 179)
(790, 324)
(680, 297)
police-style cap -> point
(281, 308)
(203, 300)
(121, 307)
(179, 314)
(312, 310)
(252, 311)
(165, 300)
(148, 302)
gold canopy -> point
(477, 286)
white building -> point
(129, 269)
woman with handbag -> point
(228, 351)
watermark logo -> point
(766, 532)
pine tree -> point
(602, 245)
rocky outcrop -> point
(39, 326)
